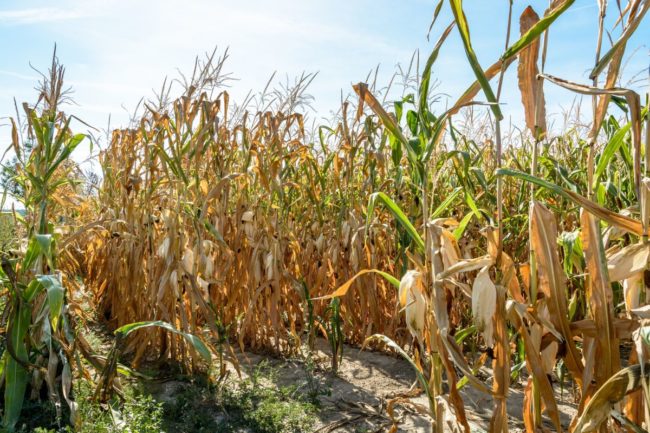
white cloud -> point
(25, 77)
(124, 49)
(38, 15)
(128, 48)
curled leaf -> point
(627, 262)
(411, 297)
(484, 304)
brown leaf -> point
(454, 395)
(552, 280)
(618, 386)
(600, 296)
(610, 217)
(634, 404)
(452, 349)
(627, 262)
(484, 304)
(500, 365)
(466, 265)
(473, 90)
(603, 101)
(528, 414)
(506, 265)
(532, 95)
(535, 366)
(366, 96)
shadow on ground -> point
(354, 400)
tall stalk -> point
(36, 284)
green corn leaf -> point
(68, 148)
(55, 295)
(620, 43)
(399, 108)
(46, 244)
(36, 125)
(436, 12)
(38, 245)
(447, 202)
(16, 376)
(463, 29)
(399, 215)
(610, 150)
(31, 253)
(56, 145)
(626, 223)
(32, 289)
(3, 362)
(412, 122)
(193, 339)
(472, 204)
(426, 77)
(464, 333)
(213, 231)
(458, 233)
(535, 31)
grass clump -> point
(254, 404)
(137, 413)
(268, 410)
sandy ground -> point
(357, 397)
(367, 381)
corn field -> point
(217, 228)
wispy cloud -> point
(18, 75)
(128, 47)
(38, 15)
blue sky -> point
(116, 52)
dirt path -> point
(355, 400)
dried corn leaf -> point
(552, 280)
(600, 296)
(484, 298)
(628, 261)
(532, 94)
(411, 297)
(632, 289)
(611, 392)
(535, 366)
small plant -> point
(311, 318)
(267, 409)
(194, 409)
(333, 326)
(136, 413)
(314, 385)
(223, 331)
(253, 403)
(105, 385)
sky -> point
(117, 51)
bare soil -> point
(355, 400)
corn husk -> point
(484, 303)
(412, 300)
(188, 261)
